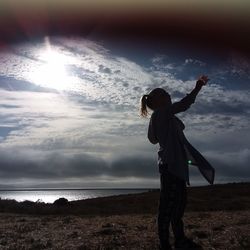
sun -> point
(52, 72)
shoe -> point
(187, 243)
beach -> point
(217, 217)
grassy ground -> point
(213, 230)
(217, 217)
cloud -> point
(239, 65)
(37, 164)
(194, 62)
(162, 62)
(226, 150)
(12, 84)
(47, 168)
(104, 69)
(232, 164)
(92, 131)
(217, 107)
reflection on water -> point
(49, 196)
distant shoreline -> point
(73, 189)
(122, 188)
(231, 196)
(50, 195)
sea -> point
(50, 195)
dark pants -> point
(173, 198)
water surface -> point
(49, 196)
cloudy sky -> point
(69, 103)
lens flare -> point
(52, 72)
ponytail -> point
(150, 100)
(143, 106)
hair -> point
(143, 106)
(149, 100)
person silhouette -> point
(175, 155)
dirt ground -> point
(213, 230)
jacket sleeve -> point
(151, 134)
(185, 102)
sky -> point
(70, 88)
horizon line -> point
(119, 188)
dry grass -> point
(217, 217)
(213, 230)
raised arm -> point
(189, 99)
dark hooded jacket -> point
(176, 153)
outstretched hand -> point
(202, 80)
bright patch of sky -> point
(69, 113)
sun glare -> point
(52, 72)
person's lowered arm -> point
(151, 134)
(189, 99)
